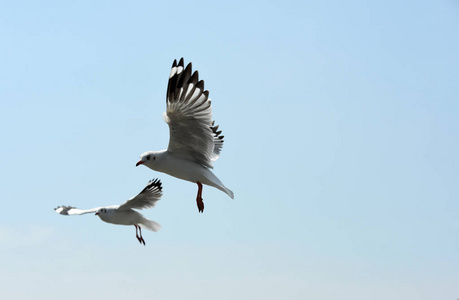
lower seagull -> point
(125, 214)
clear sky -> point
(341, 133)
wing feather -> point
(70, 210)
(146, 198)
(193, 135)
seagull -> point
(195, 141)
(125, 214)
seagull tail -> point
(213, 180)
(150, 225)
(227, 191)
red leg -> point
(199, 198)
(141, 238)
(137, 235)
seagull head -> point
(101, 212)
(148, 159)
(106, 213)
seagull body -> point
(176, 166)
(195, 142)
(125, 214)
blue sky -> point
(341, 141)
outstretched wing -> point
(193, 135)
(70, 210)
(146, 198)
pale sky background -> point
(341, 124)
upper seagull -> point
(195, 141)
(125, 214)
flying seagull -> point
(125, 214)
(195, 141)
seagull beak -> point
(139, 163)
(97, 213)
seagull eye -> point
(148, 157)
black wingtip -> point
(181, 62)
(174, 64)
(217, 133)
(65, 209)
(188, 70)
(189, 66)
(183, 79)
(194, 78)
(200, 85)
(156, 183)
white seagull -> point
(195, 142)
(125, 214)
